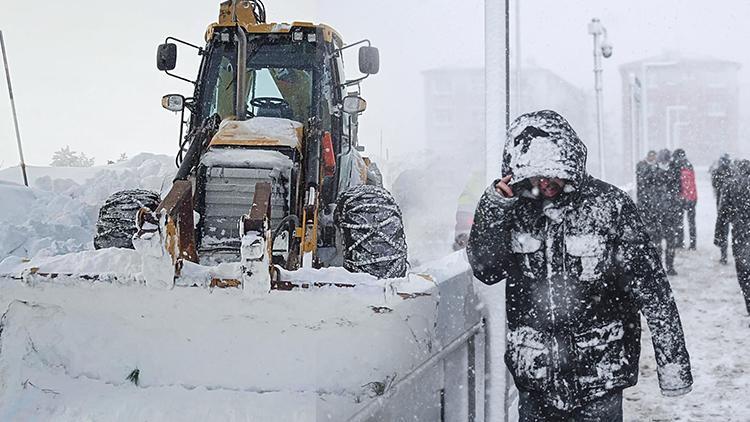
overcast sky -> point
(83, 71)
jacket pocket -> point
(528, 251)
(587, 255)
(601, 357)
(528, 358)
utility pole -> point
(497, 118)
(601, 48)
(13, 108)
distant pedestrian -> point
(668, 209)
(578, 266)
(687, 197)
(646, 182)
(734, 208)
(721, 175)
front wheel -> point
(372, 232)
(116, 224)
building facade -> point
(455, 113)
(674, 101)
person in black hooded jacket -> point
(734, 210)
(721, 176)
(669, 209)
(578, 267)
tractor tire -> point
(372, 232)
(116, 224)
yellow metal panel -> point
(331, 35)
(243, 142)
(228, 135)
(245, 15)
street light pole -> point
(602, 48)
(13, 107)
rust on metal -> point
(178, 206)
(260, 210)
(225, 283)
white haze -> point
(84, 75)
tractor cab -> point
(271, 105)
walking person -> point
(646, 182)
(687, 198)
(578, 268)
(721, 175)
(734, 209)
(667, 209)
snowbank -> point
(58, 213)
(314, 354)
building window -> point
(442, 86)
(442, 116)
(715, 109)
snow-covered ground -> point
(717, 335)
(58, 215)
(69, 346)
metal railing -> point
(467, 339)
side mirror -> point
(173, 102)
(166, 57)
(369, 60)
(354, 104)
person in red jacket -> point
(688, 196)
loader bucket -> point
(96, 350)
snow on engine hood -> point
(543, 144)
(259, 131)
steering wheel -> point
(269, 102)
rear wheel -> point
(372, 232)
(116, 224)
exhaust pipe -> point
(240, 105)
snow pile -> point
(272, 130)
(111, 264)
(316, 353)
(98, 351)
(237, 157)
(58, 213)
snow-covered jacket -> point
(721, 174)
(577, 272)
(647, 177)
(734, 209)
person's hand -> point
(503, 188)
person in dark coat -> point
(578, 268)
(646, 181)
(721, 175)
(667, 209)
(687, 197)
(734, 208)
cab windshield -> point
(279, 79)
